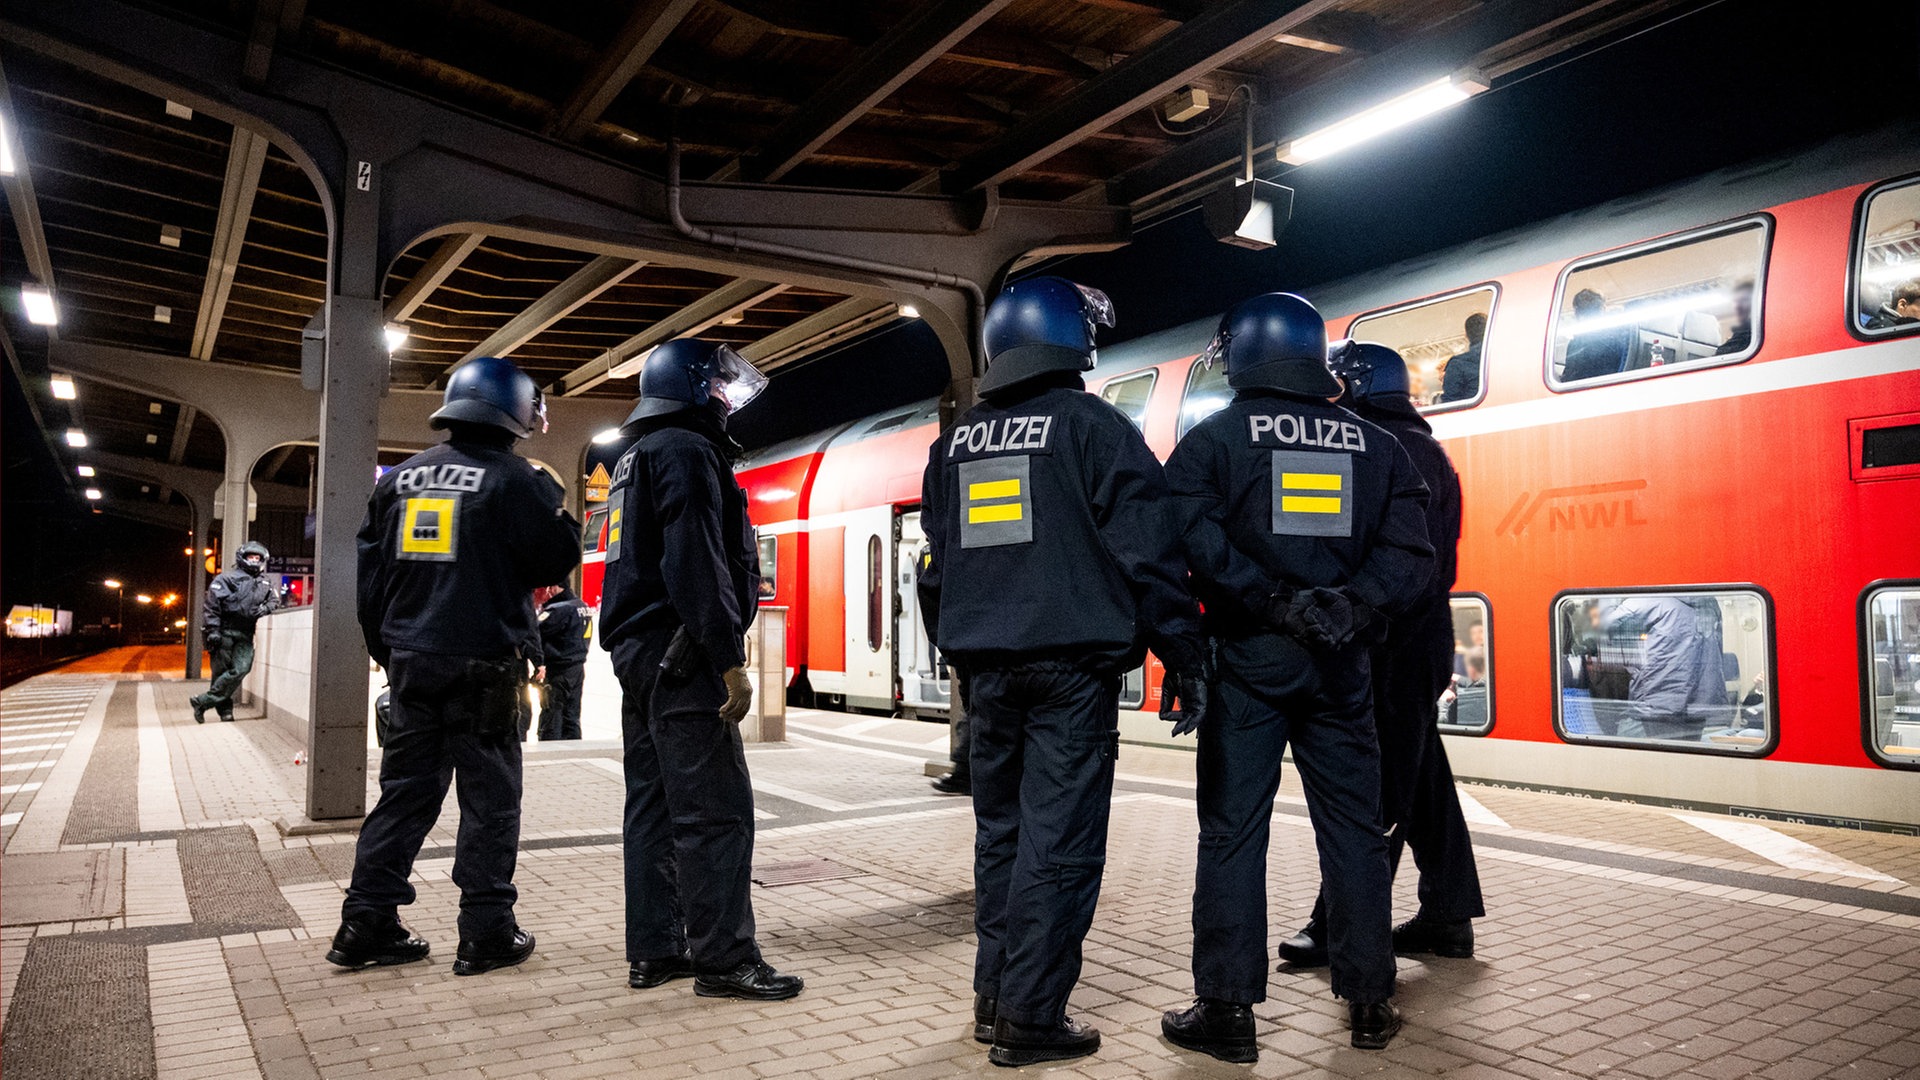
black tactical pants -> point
(560, 705)
(689, 817)
(232, 659)
(1272, 692)
(435, 739)
(1043, 745)
(1418, 801)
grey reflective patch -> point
(1312, 493)
(996, 501)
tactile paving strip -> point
(801, 872)
(107, 805)
(228, 886)
(80, 1011)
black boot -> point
(200, 706)
(1418, 935)
(647, 974)
(1306, 949)
(985, 1009)
(753, 980)
(369, 942)
(1215, 1027)
(1015, 1045)
(504, 950)
(1374, 1024)
(953, 784)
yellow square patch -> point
(427, 527)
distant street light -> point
(117, 587)
(143, 598)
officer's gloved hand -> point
(1369, 626)
(1190, 688)
(1319, 618)
(739, 694)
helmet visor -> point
(539, 411)
(733, 379)
(1099, 308)
(1216, 350)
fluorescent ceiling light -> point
(396, 336)
(162, 313)
(6, 151)
(1382, 118)
(908, 311)
(607, 436)
(39, 305)
(175, 109)
(170, 236)
(63, 387)
(84, 470)
(76, 438)
(94, 493)
(1894, 272)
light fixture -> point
(152, 439)
(142, 598)
(208, 552)
(179, 111)
(169, 600)
(1185, 104)
(93, 495)
(604, 437)
(63, 387)
(1248, 213)
(179, 624)
(111, 583)
(6, 150)
(733, 318)
(39, 305)
(84, 470)
(189, 552)
(396, 336)
(76, 438)
(162, 313)
(154, 407)
(908, 311)
(170, 236)
(1382, 118)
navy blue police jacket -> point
(1050, 537)
(1431, 614)
(565, 630)
(455, 540)
(236, 600)
(1277, 493)
(680, 545)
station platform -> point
(154, 922)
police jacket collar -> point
(702, 421)
(1034, 387)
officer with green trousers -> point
(237, 599)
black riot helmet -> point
(1041, 325)
(252, 557)
(493, 392)
(1275, 341)
(685, 374)
(1374, 373)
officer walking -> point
(1306, 530)
(455, 540)
(565, 630)
(237, 599)
(682, 586)
(1049, 550)
(1411, 669)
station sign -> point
(599, 483)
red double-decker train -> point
(1687, 427)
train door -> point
(869, 555)
(923, 675)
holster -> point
(682, 657)
(497, 686)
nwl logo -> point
(1571, 509)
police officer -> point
(682, 585)
(455, 541)
(1306, 529)
(1049, 550)
(1411, 669)
(565, 629)
(237, 599)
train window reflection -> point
(1887, 261)
(590, 532)
(1207, 393)
(1685, 302)
(1133, 688)
(1130, 394)
(876, 594)
(1681, 669)
(769, 567)
(1442, 340)
(1893, 674)
(1466, 708)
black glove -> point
(1369, 626)
(1190, 689)
(1318, 618)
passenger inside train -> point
(1888, 280)
(1667, 667)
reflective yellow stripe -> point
(994, 489)
(1310, 481)
(1007, 512)
(1309, 504)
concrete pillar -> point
(236, 487)
(202, 511)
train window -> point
(876, 594)
(1675, 304)
(1466, 707)
(1441, 339)
(1133, 688)
(590, 532)
(769, 566)
(1886, 265)
(1890, 639)
(1130, 394)
(1207, 393)
(1679, 669)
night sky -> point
(1739, 80)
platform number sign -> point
(363, 176)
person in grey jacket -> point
(237, 599)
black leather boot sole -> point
(1451, 940)
(1374, 1026)
(353, 949)
(474, 962)
(756, 982)
(1238, 1049)
(1303, 950)
(648, 974)
(1017, 1045)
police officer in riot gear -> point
(454, 543)
(1050, 551)
(1411, 669)
(1306, 530)
(566, 628)
(682, 586)
(236, 600)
